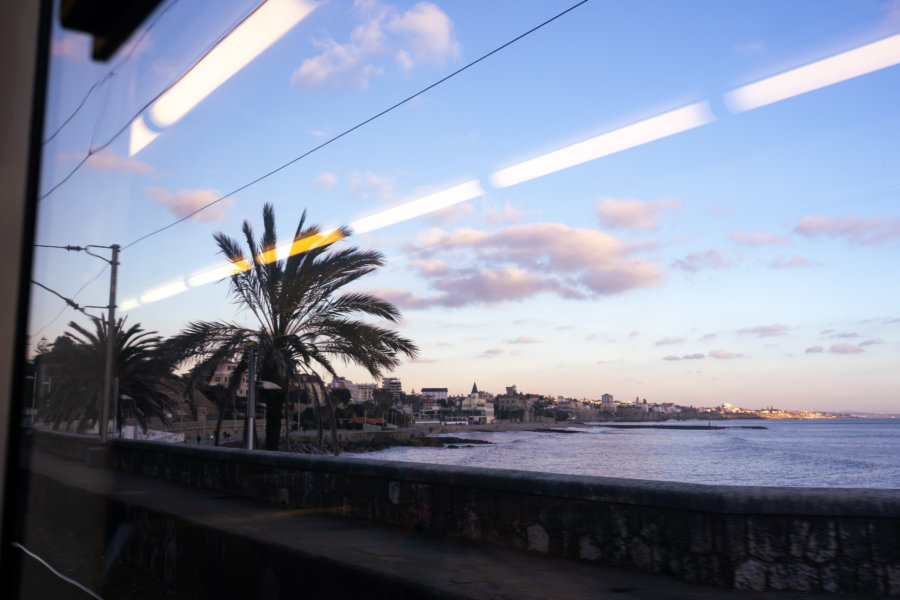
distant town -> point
(390, 405)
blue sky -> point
(749, 259)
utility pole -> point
(111, 336)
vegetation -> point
(303, 322)
(77, 362)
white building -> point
(222, 376)
(392, 384)
(359, 392)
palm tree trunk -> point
(273, 419)
(318, 416)
(334, 442)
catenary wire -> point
(75, 295)
(112, 72)
(354, 128)
(68, 301)
(148, 104)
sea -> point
(829, 453)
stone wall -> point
(755, 538)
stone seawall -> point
(755, 538)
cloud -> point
(109, 161)
(871, 342)
(632, 334)
(508, 215)
(367, 185)
(184, 202)
(750, 49)
(874, 230)
(814, 350)
(708, 336)
(633, 214)
(724, 355)
(697, 356)
(491, 352)
(422, 359)
(671, 357)
(325, 181)
(706, 259)
(668, 341)
(75, 47)
(429, 267)
(523, 339)
(797, 262)
(427, 34)
(759, 238)
(316, 133)
(525, 260)
(421, 35)
(844, 336)
(846, 349)
(452, 214)
(766, 330)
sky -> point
(689, 242)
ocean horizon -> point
(829, 453)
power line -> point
(75, 295)
(352, 129)
(68, 301)
(92, 150)
(113, 72)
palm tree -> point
(79, 359)
(303, 322)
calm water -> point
(814, 453)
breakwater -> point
(754, 538)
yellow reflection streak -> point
(828, 71)
(420, 206)
(642, 132)
(227, 269)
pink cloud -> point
(766, 330)
(75, 47)
(523, 339)
(874, 230)
(759, 238)
(707, 336)
(723, 354)
(526, 260)
(422, 359)
(871, 342)
(633, 214)
(491, 352)
(632, 334)
(429, 267)
(421, 35)
(184, 202)
(508, 215)
(669, 341)
(452, 214)
(796, 262)
(696, 356)
(846, 349)
(814, 350)
(848, 335)
(671, 357)
(325, 181)
(108, 161)
(706, 259)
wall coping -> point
(738, 500)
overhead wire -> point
(354, 128)
(94, 150)
(112, 72)
(75, 295)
